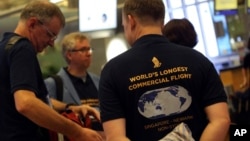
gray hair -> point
(69, 42)
(43, 10)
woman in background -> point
(180, 31)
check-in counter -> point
(232, 76)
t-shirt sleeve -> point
(23, 67)
(214, 90)
(110, 106)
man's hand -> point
(85, 110)
(81, 110)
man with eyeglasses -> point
(52, 35)
(79, 85)
(23, 95)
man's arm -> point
(58, 105)
(82, 110)
(41, 114)
(115, 130)
(219, 122)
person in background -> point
(180, 31)
(24, 102)
(241, 98)
(79, 85)
(246, 67)
(148, 90)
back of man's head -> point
(145, 10)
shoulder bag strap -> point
(12, 41)
(59, 86)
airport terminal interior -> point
(222, 32)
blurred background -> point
(222, 27)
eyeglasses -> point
(83, 50)
(50, 33)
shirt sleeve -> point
(23, 67)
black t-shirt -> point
(19, 70)
(88, 94)
(86, 89)
(156, 85)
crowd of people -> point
(131, 100)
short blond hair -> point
(69, 42)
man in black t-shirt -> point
(23, 95)
(79, 85)
(156, 85)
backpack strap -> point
(59, 86)
(12, 41)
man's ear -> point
(31, 22)
(132, 21)
(69, 55)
